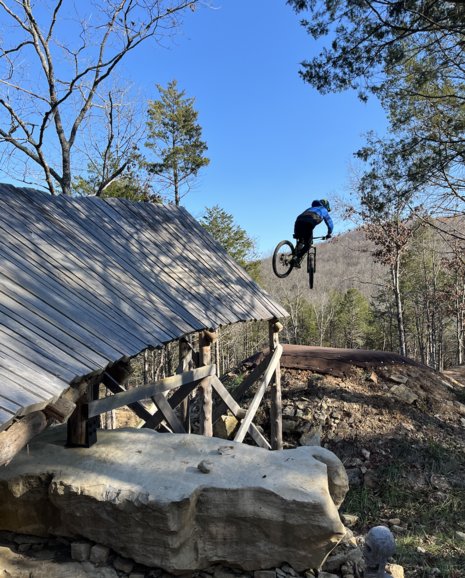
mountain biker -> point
(306, 222)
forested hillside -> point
(353, 302)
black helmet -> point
(325, 204)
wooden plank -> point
(219, 293)
(36, 323)
(181, 262)
(243, 387)
(120, 399)
(25, 380)
(243, 428)
(176, 398)
(276, 420)
(23, 266)
(115, 387)
(116, 255)
(30, 292)
(46, 346)
(102, 343)
(88, 259)
(47, 385)
(53, 264)
(19, 401)
(5, 418)
(160, 254)
(9, 405)
(14, 343)
(168, 413)
(236, 410)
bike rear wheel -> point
(282, 259)
(311, 267)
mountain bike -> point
(285, 259)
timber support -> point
(185, 363)
(206, 339)
(276, 420)
(82, 430)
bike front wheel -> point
(282, 259)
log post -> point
(22, 431)
(205, 388)
(19, 434)
(276, 420)
(185, 361)
(82, 431)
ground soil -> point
(399, 428)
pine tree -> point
(174, 137)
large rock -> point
(143, 495)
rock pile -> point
(26, 556)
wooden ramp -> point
(85, 282)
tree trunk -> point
(395, 272)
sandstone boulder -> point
(142, 494)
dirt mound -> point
(399, 428)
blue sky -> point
(274, 142)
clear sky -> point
(275, 144)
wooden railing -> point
(82, 429)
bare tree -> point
(54, 58)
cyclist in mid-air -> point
(304, 225)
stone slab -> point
(142, 494)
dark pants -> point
(303, 231)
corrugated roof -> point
(87, 281)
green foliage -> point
(352, 321)
(371, 38)
(233, 238)
(410, 55)
(174, 137)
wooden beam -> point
(238, 412)
(205, 389)
(243, 387)
(243, 428)
(82, 428)
(126, 397)
(155, 420)
(185, 361)
(19, 434)
(276, 410)
(60, 410)
(116, 387)
(168, 413)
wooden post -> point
(276, 419)
(185, 360)
(82, 431)
(205, 389)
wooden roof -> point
(86, 281)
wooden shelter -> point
(87, 282)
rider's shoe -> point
(296, 263)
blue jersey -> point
(320, 210)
